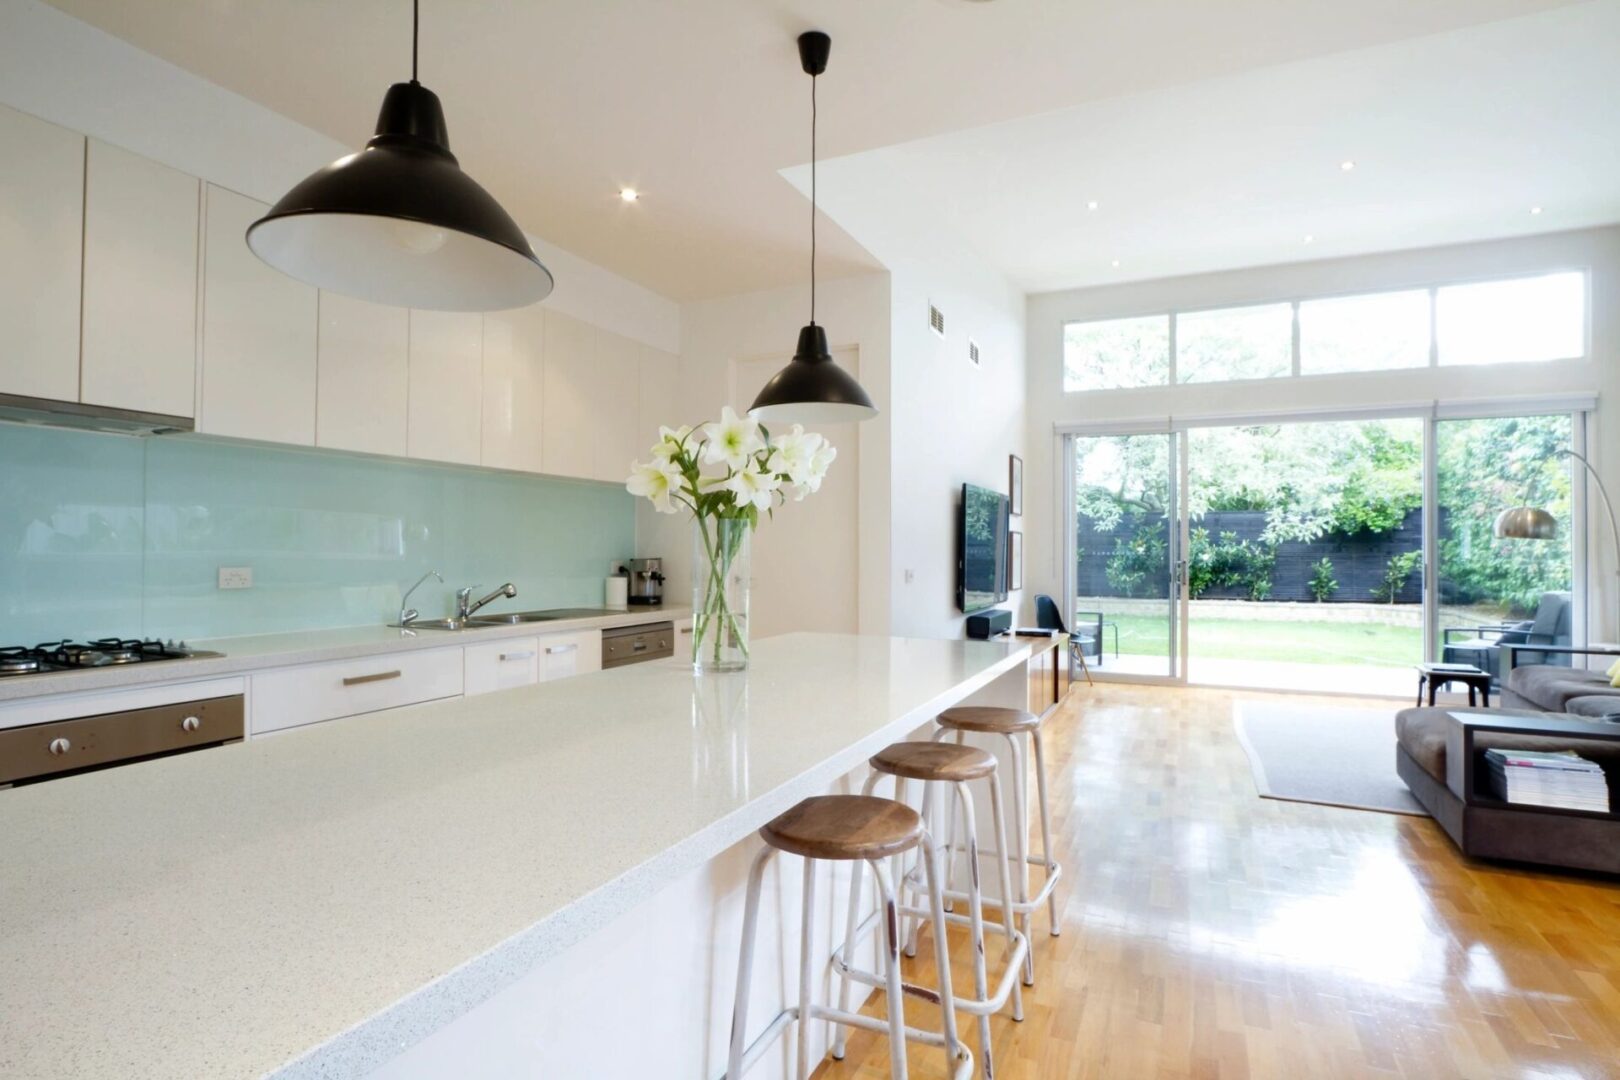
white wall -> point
(1596, 250)
(717, 336)
(70, 73)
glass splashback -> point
(107, 534)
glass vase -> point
(721, 554)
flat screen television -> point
(981, 560)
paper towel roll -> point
(617, 592)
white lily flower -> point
(732, 440)
(795, 453)
(658, 480)
(751, 487)
(669, 441)
(820, 462)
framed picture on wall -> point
(1015, 484)
(1015, 561)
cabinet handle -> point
(552, 650)
(526, 655)
(686, 629)
(381, 676)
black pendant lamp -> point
(812, 389)
(399, 222)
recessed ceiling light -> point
(1116, 264)
(1347, 165)
(1092, 205)
(629, 194)
(1309, 238)
(1535, 209)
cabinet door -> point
(446, 391)
(258, 346)
(41, 242)
(563, 655)
(362, 375)
(569, 430)
(658, 398)
(501, 665)
(140, 283)
(613, 394)
(514, 389)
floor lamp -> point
(1535, 523)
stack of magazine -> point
(1561, 779)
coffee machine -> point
(646, 581)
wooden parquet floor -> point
(1210, 933)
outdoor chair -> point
(1482, 645)
(1047, 617)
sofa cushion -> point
(1594, 705)
(1549, 687)
(1422, 732)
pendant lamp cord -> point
(416, 33)
(812, 200)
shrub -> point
(1323, 584)
(1137, 559)
(1229, 563)
(1399, 568)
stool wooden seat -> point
(949, 762)
(989, 720)
(845, 827)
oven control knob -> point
(60, 746)
(190, 723)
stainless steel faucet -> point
(408, 614)
(466, 605)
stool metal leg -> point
(851, 928)
(745, 966)
(1046, 830)
(942, 957)
(1000, 825)
(981, 985)
(807, 929)
(1020, 816)
(895, 987)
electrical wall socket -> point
(236, 577)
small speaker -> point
(987, 624)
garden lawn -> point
(1323, 642)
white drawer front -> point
(562, 655)
(501, 665)
(305, 695)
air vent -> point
(936, 320)
(973, 352)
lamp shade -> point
(1526, 523)
(812, 388)
(399, 223)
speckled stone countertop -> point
(244, 654)
(308, 905)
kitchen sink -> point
(515, 618)
(511, 618)
(434, 624)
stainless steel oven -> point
(62, 747)
(633, 644)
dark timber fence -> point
(1358, 561)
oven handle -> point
(381, 676)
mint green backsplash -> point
(103, 534)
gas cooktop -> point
(18, 660)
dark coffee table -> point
(1437, 675)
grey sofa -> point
(1551, 688)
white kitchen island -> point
(541, 882)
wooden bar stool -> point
(1013, 725)
(950, 768)
(864, 830)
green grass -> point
(1324, 642)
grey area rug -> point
(1321, 754)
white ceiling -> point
(699, 103)
(1454, 138)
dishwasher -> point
(633, 644)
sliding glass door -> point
(1320, 555)
(1124, 589)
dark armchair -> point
(1482, 645)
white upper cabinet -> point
(446, 386)
(41, 233)
(363, 375)
(569, 431)
(614, 397)
(258, 339)
(140, 283)
(658, 398)
(514, 389)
